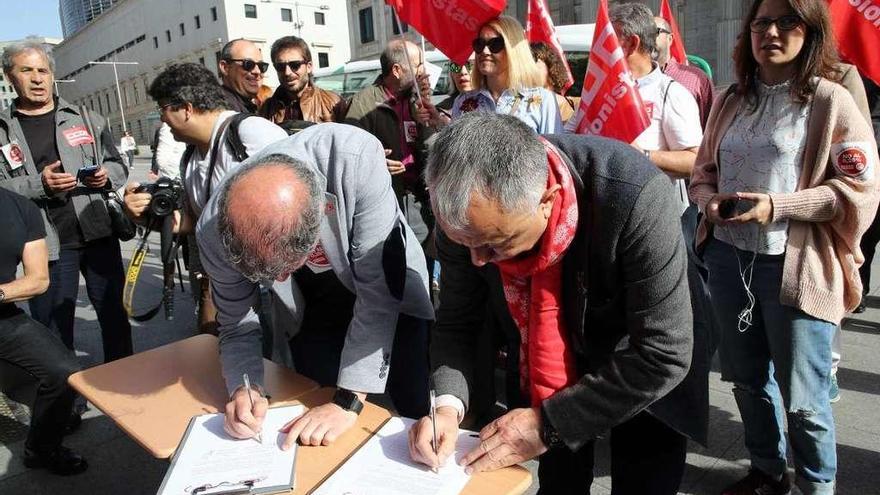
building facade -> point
(158, 33)
(708, 27)
(75, 14)
(7, 92)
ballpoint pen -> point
(247, 387)
(434, 424)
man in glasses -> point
(241, 72)
(196, 109)
(693, 79)
(297, 100)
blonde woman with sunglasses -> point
(506, 79)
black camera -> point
(167, 196)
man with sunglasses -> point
(693, 79)
(297, 100)
(241, 72)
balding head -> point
(395, 69)
(233, 58)
(269, 215)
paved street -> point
(119, 466)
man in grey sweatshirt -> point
(314, 219)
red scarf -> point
(533, 290)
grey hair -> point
(394, 53)
(494, 155)
(635, 19)
(15, 49)
(269, 249)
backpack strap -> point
(233, 138)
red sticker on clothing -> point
(318, 261)
(77, 136)
(852, 162)
(649, 108)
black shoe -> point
(59, 460)
(860, 308)
(73, 423)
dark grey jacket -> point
(90, 206)
(625, 294)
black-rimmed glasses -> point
(293, 64)
(496, 44)
(166, 105)
(248, 64)
(783, 23)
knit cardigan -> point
(828, 213)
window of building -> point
(107, 100)
(155, 42)
(286, 15)
(182, 29)
(214, 14)
(202, 60)
(395, 26)
(323, 59)
(168, 35)
(198, 21)
(250, 11)
(365, 20)
(319, 19)
(217, 58)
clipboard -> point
(209, 462)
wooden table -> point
(316, 464)
(153, 395)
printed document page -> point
(383, 467)
(211, 461)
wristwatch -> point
(2, 295)
(647, 154)
(549, 434)
(348, 400)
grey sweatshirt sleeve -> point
(29, 186)
(658, 320)
(234, 296)
(379, 265)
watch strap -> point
(348, 400)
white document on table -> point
(208, 461)
(383, 467)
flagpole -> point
(406, 54)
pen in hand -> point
(434, 424)
(247, 387)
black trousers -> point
(317, 348)
(647, 458)
(869, 247)
(26, 344)
(100, 263)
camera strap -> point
(169, 248)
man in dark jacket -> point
(388, 110)
(297, 99)
(57, 168)
(574, 243)
(241, 69)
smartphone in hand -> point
(86, 171)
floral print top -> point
(536, 107)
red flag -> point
(539, 27)
(450, 25)
(676, 51)
(857, 27)
(610, 103)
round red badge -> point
(852, 161)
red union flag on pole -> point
(676, 50)
(450, 25)
(610, 103)
(857, 29)
(539, 27)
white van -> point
(348, 79)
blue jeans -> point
(780, 365)
(100, 262)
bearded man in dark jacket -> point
(573, 245)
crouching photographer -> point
(192, 103)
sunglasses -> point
(293, 64)
(783, 23)
(663, 31)
(495, 44)
(456, 69)
(248, 64)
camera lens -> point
(162, 205)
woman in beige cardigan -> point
(786, 180)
